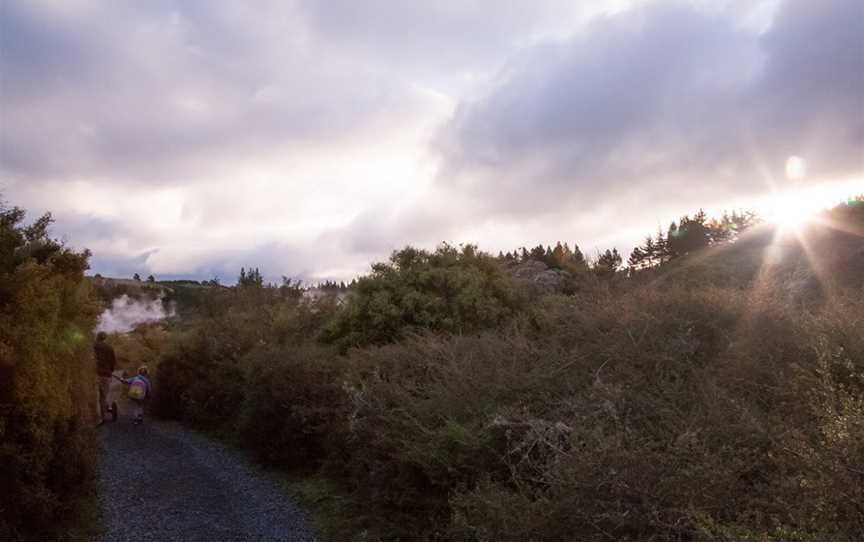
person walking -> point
(106, 362)
(139, 392)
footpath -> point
(161, 482)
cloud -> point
(665, 101)
(178, 93)
(190, 138)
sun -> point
(793, 208)
(790, 210)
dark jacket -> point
(105, 360)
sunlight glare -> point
(796, 168)
(792, 208)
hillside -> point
(718, 395)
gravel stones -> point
(161, 482)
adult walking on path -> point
(106, 362)
(162, 483)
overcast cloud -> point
(189, 138)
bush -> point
(47, 382)
(716, 397)
(447, 290)
(294, 411)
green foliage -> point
(252, 279)
(449, 290)
(201, 377)
(691, 235)
(294, 410)
(720, 399)
(607, 264)
(47, 382)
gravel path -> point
(160, 482)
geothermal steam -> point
(126, 313)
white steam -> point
(127, 313)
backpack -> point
(137, 389)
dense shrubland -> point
(47, 385)
(711, 394)
(711, 390)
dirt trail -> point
(161, 482)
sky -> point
(188, 138)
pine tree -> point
(661, 248)
(578, 257)
(608, 263)
(538, 253)
(649, 251)
(690, 235)
(637, 259)
(252, 278)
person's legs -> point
(104, 389)
(137, 412)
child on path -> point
(139, 392)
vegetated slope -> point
(717, 396)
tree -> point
(47, 312)
(662, 253)
(151, 278)
(252, 279)
(637, 259)
(538, 253)
(690, 235)
(608, 263)
(137, 277)
(730, 227)
(558, 256)
(578, 257)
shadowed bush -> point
(47, 382)
(294, 411)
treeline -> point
(448, 399)
(688, 234)
(47, 391)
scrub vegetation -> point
(711, 389)
(47, 385)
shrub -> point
(294, 410)
(47, 382)
(716, 397)
(446, 290)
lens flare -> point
(796, 168)
(791, 208)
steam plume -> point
(126, 313)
